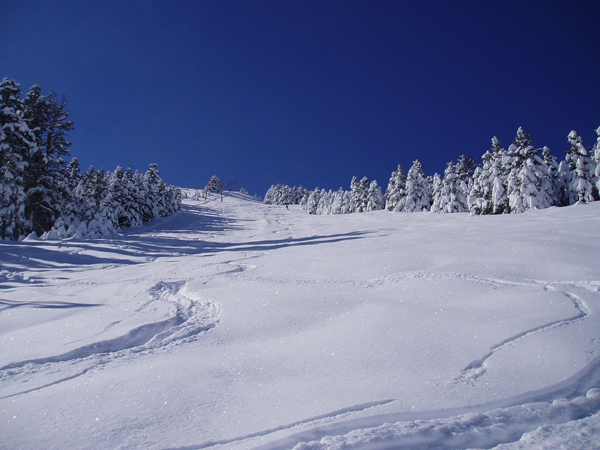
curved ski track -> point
(192, 317)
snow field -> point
(241, 325)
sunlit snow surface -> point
(237, 325)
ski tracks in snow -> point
(192, 316)
(477, 368)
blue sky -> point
(306, 92)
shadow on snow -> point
(173, 236)
(7, 304)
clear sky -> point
(306, 92)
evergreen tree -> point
(436, 193)
(363, 194)
(215, 185)
(348, 203)
(131, 215)
(499, 182)
(355, 193)
(528, 183)
(324, 205)
(452, 196)
(375, 200)
(45, 177)
(516, 155)
(313, 201)
(72, 205)
(359, 190)
(481, 192)
(285, 196)
(337, 205)
(139, 195)
(156, 191)
(17, 146)
(396, 190)
(305, 197)
(558, 188)
(465, 167)
(116, 198)
(536, 187)
(596, 150)
(580, 176)
(417, 189)
(270, 196)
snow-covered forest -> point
(43, 194)
(514, 180)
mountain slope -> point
(238, 325)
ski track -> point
(478, 426)
(477, 368)
(460, 430)
(323, 417)
(192, 318)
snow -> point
(239, 325)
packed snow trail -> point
(240, 325)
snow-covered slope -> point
(239, 325)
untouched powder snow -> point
(238, 325)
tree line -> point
(508, 181)
(41, 193)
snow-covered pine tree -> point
(359, 191)
(285, 196)
(97, 221)
(453, 193)
(301, 193)
(436, 193)
(116, 198)
(557, 186)
(355, 194)
(141, 195)
(418, 190)
(535, 190)
(17, 145)
(45, 177)
(313, 201)
(487, 187)
(348, 203)
(324, 205)
(271, 195)
(498, 176)
(72, 205)
(596, 150)
(375, 200)
(528, 184)
(84, 204)
(465, 167)
(214, 185)
(156, 191)
(580, 185)
(396, 189)
(516, 155)
(362, 198)
(337, 204)
(304, 199)
(131, 211)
